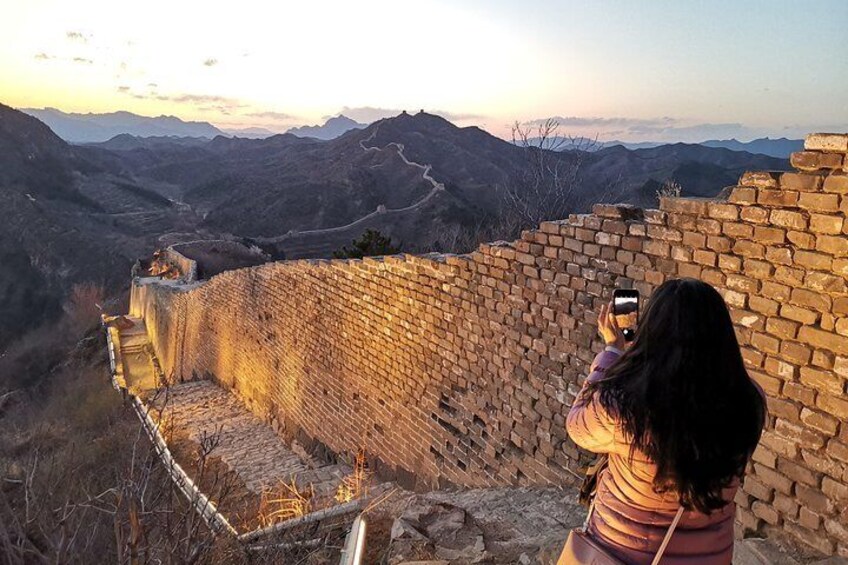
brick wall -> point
(461, 369)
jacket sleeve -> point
(589, 425)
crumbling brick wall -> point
(461, 369)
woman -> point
(679, 417)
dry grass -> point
(80, 482)
(356, 484)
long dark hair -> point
(683, 396)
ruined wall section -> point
(461, 369)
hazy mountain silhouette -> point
(90, 128)
(331, 129)
(780, 147)
(250, 133)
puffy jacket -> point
(630, 519)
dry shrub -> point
(285, 502)
(84, 305)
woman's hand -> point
(608, 328)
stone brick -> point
(734, 229)
(769, 235)
(749, 249)
(779, 255)
(833, 245)
(825, 381)
(789, 219)
(826, 340)
(757, 269)
(836, 182)
(729, 263)
(810, 537)
(827, 224)
(818, 261)
(742, 195)
(828, 142)
(763, 305)
(703, 257)
(804, 182)
(819, 421)
(780, 198)
(760, 179)
(765, 512)
(801, 239)
(754, 214)
(723, 211)
(803, 315)
(789, 276)
(813, 160)
(833, 405)
(819, 202)
(797, 473)
(773, 479)
(693, 206)
(835, 490)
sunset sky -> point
(652, 70)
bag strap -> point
(668, 535)
(666, 539)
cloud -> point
(276, 116)
(210, 62)
(662, 129)
(77, 36)
(82, 60)
(203, 102)
(626, 123)
(43, 56)
(458, 117)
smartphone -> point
(625, 308)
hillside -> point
(67, 219)
(86, 212)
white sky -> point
(655, 70)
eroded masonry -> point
(460, 369)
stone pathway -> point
(201, 409)
(246, 445)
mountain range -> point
(781, 148)
(98, 128)
(90, 128)
(79, 213)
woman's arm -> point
(588, 423)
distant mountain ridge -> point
(780, 148)
(95, 128)
(332, 128)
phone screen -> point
(625, 308)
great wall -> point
(457, 371)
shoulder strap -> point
(668, 535)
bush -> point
(371, 243)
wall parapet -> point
(461, 369)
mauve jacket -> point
(630, 519)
